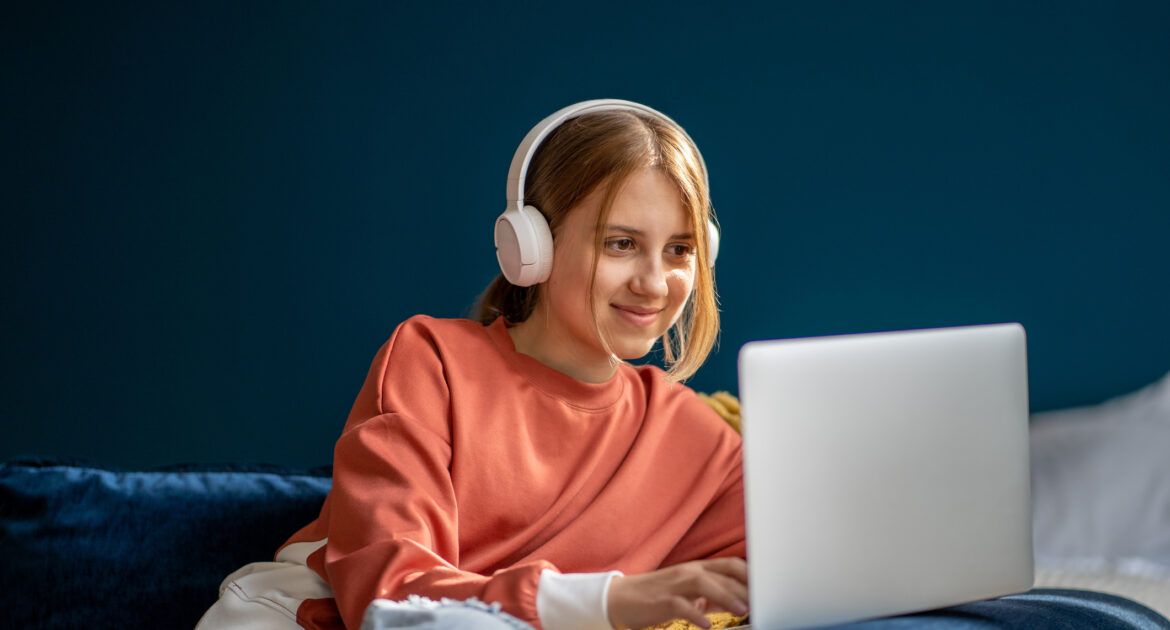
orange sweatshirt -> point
(466, 469)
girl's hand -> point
(679, 592)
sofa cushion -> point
(93, 547)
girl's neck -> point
(537, 338)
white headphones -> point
(524, 244)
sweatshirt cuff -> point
(574, 600)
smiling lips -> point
(638, 316)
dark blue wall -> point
(214, 215)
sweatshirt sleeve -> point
(719, 530)
(575, 600)
(393, 520)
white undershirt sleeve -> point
(574, 600)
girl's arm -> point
(719, 530)
(393, 525)
(393, 521)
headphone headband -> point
(518, 172)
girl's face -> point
(647, 264)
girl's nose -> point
(651, 278)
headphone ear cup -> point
(508, 246)
(712, 241)
(544, 244)
(523, 246)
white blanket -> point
(1101, 496)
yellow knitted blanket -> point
(719, 621)
(728, 407)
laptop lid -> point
(885, 473)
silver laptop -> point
(885, 473)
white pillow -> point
(1101, 484)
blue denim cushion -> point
(87, 547)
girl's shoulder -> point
(682, 401)
(414, 366)
(447, 331)
(438, 341)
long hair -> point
(604, 149)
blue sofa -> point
(88, 547)
(94, 548)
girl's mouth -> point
(635, 318)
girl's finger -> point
(683, 608)
(725, 593)
(731, 567)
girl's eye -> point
(680, 250)
(621, 240)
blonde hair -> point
(604, 149)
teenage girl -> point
(518, 458)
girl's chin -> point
(627, 345)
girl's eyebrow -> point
(635, 232)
